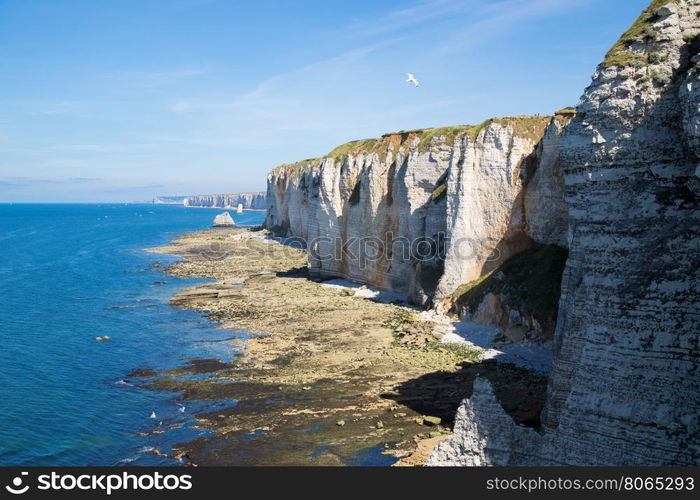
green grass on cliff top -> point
(527, 127)
(620, 54)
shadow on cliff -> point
(520, 392)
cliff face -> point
(363, 213)
(501, 196)
(248, 200)
(422, 212)
(623, 389)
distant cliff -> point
(254, 200)
(248, 200)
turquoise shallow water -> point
(64, 398)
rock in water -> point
(239, 209)
(224, 220)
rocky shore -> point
(325, 376)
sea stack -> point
(224, 220)
(239, 210)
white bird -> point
(153, 414)
(412, 79)
(181, 409)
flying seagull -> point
(412, 79)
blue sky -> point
(122, 100)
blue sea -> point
(70, 273)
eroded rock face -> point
(502, 192)
(422, 216)
(362, 215)
(623, 389)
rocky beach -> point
(326, 376)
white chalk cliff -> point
(624, 385)
(490, 207)
(395, 211)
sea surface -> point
(70, 273)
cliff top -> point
(526, 126)
(625, 52)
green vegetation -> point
(661, 79)
(531, 279)
(353, 147)
(657, 57)
(294, 167)
(379, 146)
(450, 134)
(528, 127)
(439, 192)
(400, 319)
(462, 352)
(564, 115)
(403, 320)
(641, 30)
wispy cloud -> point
(419, 13)
(495, 19)
(33, 181)
(98, 148)
(155, 78)
(337, 62)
